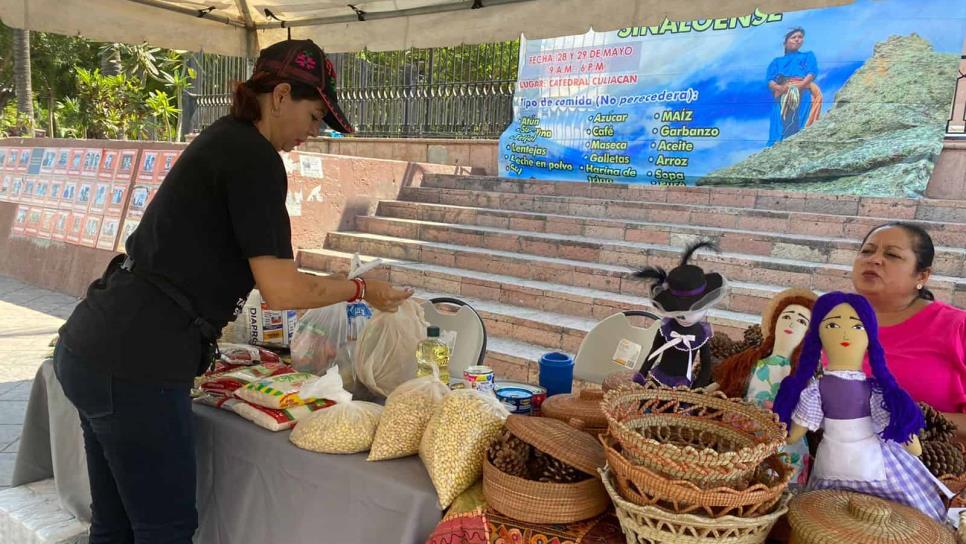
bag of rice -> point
(244, 354)
(277, 420)
(225, 383)
(278, 392)
(456, 438)
(217, 401)
(407, 413)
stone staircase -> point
(542, 262)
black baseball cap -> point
(302, 61)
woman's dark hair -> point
(921, 245)
(244, 105)
(789, 34)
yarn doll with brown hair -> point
(756, 373)
(682, 297)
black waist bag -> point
(209, 333)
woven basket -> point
(653, 525)
(705, 438)
(824, 516)
(643, 487)
(545, 502)
(542, 502)
(618, 380)
(581, 411)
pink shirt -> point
(927, 355)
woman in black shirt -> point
(217, 227)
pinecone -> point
(943, 458)
(721, 346)
(938, 428)
(509, 454)
(553, 470)
(752, 337)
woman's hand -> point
(384, 297)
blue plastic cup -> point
(556, 373)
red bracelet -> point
(360, 289)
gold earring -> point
(918, 286)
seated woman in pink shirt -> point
(924, 339)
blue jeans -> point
(140, 448)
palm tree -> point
(25, 95)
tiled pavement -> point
(29, 319)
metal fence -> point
(451, 92)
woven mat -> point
(487, 526)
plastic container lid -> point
(432, 331)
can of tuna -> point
(515, 399)
(480, 378)
(537, 394)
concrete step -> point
(717, 215)
(594, 242)
(758, 199)
(540, 294)
(614, 277)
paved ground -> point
(29, 318)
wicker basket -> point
(705, 438)
(653, 525)
(545, 502)
(581, 411)
(842, 516)
(618, 380)
(640, 486)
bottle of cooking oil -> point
(433, 352)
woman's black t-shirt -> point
(222, 203)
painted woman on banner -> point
(791, 79)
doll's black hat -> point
(686, 288)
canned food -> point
(538, 394)
(516, 400)
(480, 378)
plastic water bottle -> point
(432, 352)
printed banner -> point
(843, 100)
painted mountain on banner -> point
(880, 138)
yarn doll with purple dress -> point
(870, 425)
(682, 297)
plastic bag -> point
(347, 427)
(279, 392)
(323, 333)
(386, 352)
(456, 438)
(326, 335)
(408, 410)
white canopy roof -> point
(237, 27)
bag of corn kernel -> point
(278, 392)
(456, 438)
(407, 413)
(347, 427)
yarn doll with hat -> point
(870, 443)
(682, 297)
